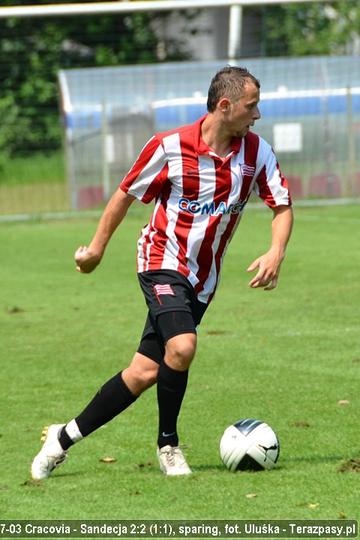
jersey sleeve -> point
(149, 173)
(270, 185)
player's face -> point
(243, 112)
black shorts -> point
(173, 310)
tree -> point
(32, 51)
(311, 29)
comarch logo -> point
(210, 208)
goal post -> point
(87, 8)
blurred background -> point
(81, 93)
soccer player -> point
(200, 177)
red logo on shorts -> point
(163, 289)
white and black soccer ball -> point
(249, 445)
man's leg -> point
(117, 394)
(171, 385)
(175, 329)
(112, 398)
(174, 313)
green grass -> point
(36, 168)
(287, 356)
(33, 184)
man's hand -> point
(268, 266)
(86, 260)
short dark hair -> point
(228, 82)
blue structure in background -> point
(171, 114)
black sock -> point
(171, 386)
(64, 439)
(112, 398)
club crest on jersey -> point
(210, 208)
(247, 170)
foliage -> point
(32, 50)
(314, 28)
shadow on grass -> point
(208, 467)
(29, 482)
(282, 465)
(151, 468)
(311, 459)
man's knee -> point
(180, 350)
(141, 374)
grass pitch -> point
(290, 357)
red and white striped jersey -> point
(199, 200)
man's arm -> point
(88, 257)
(268, 265)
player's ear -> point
(224, 104)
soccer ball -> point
(249, 445)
